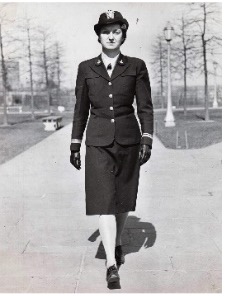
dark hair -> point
(124, 33)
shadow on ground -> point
(136, 234)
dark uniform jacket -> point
(109, 100)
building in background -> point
(13, 82)
(13, 75)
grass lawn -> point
(199, 133)
(23, 133)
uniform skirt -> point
(111, 178)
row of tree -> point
(39, 53)
(194, 48)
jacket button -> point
(111, 108)
(111, 96)
(112, 120)
(109, 83)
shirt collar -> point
(106, 60)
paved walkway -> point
(172, 241)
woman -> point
(115, 149)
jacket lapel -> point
(121, 65)
(99, 68)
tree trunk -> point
(4, 80)
(185, 85)
(46, 77)
(185, 96)
(206, 83)
(58, 74)
(31, 74)
(185, 67)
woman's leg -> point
(120, 222)
(107, 228)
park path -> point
(172, 241)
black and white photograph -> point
(111, 147)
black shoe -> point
(119, 256)
(112, 275)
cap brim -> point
(97, 27)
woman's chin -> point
(110, 48)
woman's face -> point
(111, 36)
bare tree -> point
(30, 66)
(183, 53)
(6, 49)
(58, 70)
(45, 61)
(3, 64)
(4, 78)
(60, 65)
(27, 39)
(206, 23)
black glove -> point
(75, 159)
(145, 153)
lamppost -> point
(169, 119)
(215, 103)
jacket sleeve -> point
(81, 110)
(144, 104)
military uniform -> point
(113, 135)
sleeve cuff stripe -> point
(147, 135)
(75, 141)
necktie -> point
(109, 67)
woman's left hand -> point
(145, 153)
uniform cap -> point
(111, 17)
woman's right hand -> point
(75, 159)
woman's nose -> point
(111, 36)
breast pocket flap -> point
(129, 73)
(92, 76)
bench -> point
(52, 123)
(14, 109)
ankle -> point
(110, 263)
(118, 243)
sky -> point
(72, 24)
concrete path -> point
(172, 241)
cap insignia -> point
(110, 14)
